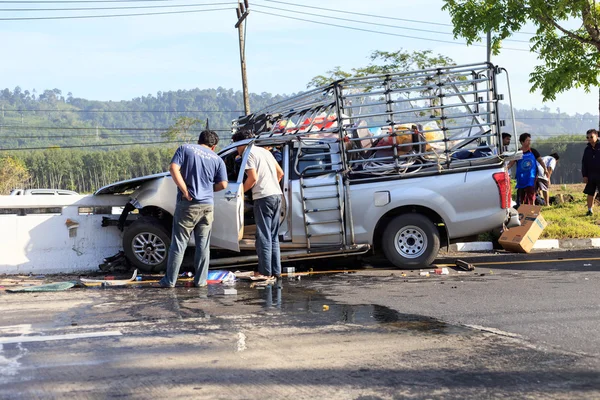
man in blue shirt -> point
(198, 172)
(526, 174)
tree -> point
(179, 130)
(13, 174)
(570, 57)
(384, 62)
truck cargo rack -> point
(406, 124)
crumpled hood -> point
(129, 184)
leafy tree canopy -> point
(384, 62)
(13, 174)
(569, 57)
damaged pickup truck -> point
(398, 164)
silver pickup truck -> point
(400, 164)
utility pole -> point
(489, 46)
(242, 12)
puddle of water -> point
(291, 302)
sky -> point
(126, 57)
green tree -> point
(384, 62)
(569, 57)
(13, 174)
(180, 129)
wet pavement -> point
(373, 334)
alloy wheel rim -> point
(149, 248)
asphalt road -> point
(548, 298)
(516, 327)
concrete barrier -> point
(56, 234)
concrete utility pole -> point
(489, 46)
(242, 12)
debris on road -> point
(115, 263)
(108, 281)
(220, 276)
(49, 287)
(465, 265)
(520, 239)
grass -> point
(566, 221)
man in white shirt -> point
(263, 177)
(543, 179)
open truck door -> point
(228, 225)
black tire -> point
(411, 241)
(146, 244)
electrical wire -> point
(371, 23)
(125, 111)
(88, 146)
(111, 15)
(76, 1)
(372, 15)
(113, 8)
(380, 32)
(99, 128)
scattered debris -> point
(465, 265)
(220, 276)
(49, 287)
(424, 273)
(116, 263)
(442, 271)
(108, 282)
(325, 307)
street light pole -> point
(242, 12)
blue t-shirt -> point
(527, 169)
(201, 168)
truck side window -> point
(232, 163)
(310, 161)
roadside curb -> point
(544, 244)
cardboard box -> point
(521, 239)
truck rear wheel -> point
(146, 244)
(411, 241)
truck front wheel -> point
(411, 241)
(146, 244)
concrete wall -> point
(54, 234)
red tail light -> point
(503, 181)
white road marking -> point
(23, 329)
(71, 336)
(241, 343)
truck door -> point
(228, 226)
(317, 195)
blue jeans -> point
(190, 216)
(266, 215)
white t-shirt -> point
(264, 163)
(550, 163)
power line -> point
(371, 23)
(113, 8)
(373, 15)
(380, 32)
(100, 128)
(112, 15)
(76, 1)
(88, 145)
(127, 111)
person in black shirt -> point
(590, 168)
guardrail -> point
(56, 234)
